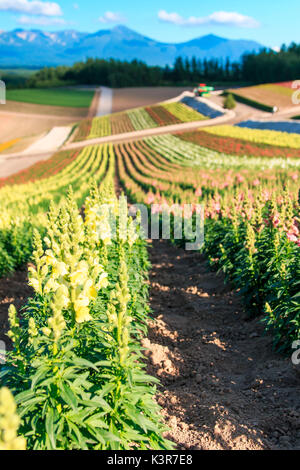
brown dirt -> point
(13, 290)
(13, 126)
(21, 145)
(222, 386)
(265, 96)
(94, 104)
(127, 98)
(19, 120)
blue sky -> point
(270, 22)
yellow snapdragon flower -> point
(82, 314)
(9, 423)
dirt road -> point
(105, 104)
(223, 387)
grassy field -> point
(53, 97)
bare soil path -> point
(128, 98)
(222, 386)
(106, 101)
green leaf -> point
(49, 423)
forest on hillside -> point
(264, 66)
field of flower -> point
(252, 218)
(76, 367)
(259, 136)
(137, 119)
(238, 146)
(281, 126)
(75, 375)
(184, 112)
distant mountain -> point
(38, 48)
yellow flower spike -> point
(9, 423)
(32, 330)
(103, 281)
(34, 283)
(62, 297)
(78, 277)
(89, 290)
(47, 241)
(82, 314)
(59, 269)
(51, 286)
(46, 331)
(44, 271)
(12, 317)
(81, 301)
(49, 258)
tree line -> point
(264, 66)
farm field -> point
(268, 95)
(26, 120)
(137, 119)
(129, 98)
(16, 126)
(86, 355)
(281, 126)
(260, 136)
(52, 97)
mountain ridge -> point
(35, 47)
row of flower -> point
(235, 146)
(136, 119)
(251, 223)
(76, 368)
(258, 136)
(183, 112)
(23, 206)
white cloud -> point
(276, 48)
(223, 18)
(34, 7)
(40, 20)
(111, 17)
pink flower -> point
(198, 192)
(275, 220)
(150, 198)
(266, 195)
(156, 209)
(292, 237)
(216, 206)
(256, 182)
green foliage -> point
(250, 102)
(80, 383)
(52, 97)
(229, 101)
